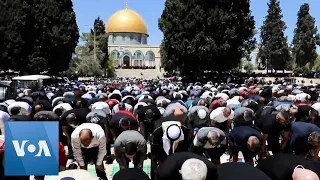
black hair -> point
(15, 110)
(285, 114)
(42, 117)
(314, 112)
(130, 148)
(125, 122)
(129, 101)
(58, 111)
(164, 103)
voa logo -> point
(42, 146)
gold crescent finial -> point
(126, 4)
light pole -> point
(94, 41)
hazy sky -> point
(151, 10)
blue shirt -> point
(241, 134)
(300, 133)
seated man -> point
(305, 137)
(171, 168)
(130, 145)
(247, 140)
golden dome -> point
(126, 20)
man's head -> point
(283, 118)
(226, 112)
(149, 114)
(130, 150)
(213, 138)
(194, 169)
(299, 173)
(202, 114)
(178, 112)
(313, 113)
(124, 123)
(164, 103)
(314, 139)
(262, 100)
(254, 144)
(102, 98)
(59, 111)
(86, 137)
(202, 102)
(293, 111)
(72, 120)
(15, 110)
(38, 108)
(248, 115)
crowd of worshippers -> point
(189, 128)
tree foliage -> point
(166, 63)
(37, 36)
(89, 63)
(200, 35)
(248, 66)
(305, 38)
(274, 49)
(101, 42)
(316, 64)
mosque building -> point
(128, 41)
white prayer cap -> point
(173, 132)
(202, 113)
(102, 106)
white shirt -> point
(99, 139)
(303, 97)
(232, 102)
(217, 115)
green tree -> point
(110, 69)
(305, 38)
(248, 66)
(89, 65)
(39, 35)
(166, 63)
(274, 49)
(101, 42)
(200, 35)
(316, 66)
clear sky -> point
(151, 10)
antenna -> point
(126, 4)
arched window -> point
(138, 55)
(127, 53)
(115, 54)
(150, 56)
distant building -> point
(128, 41)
